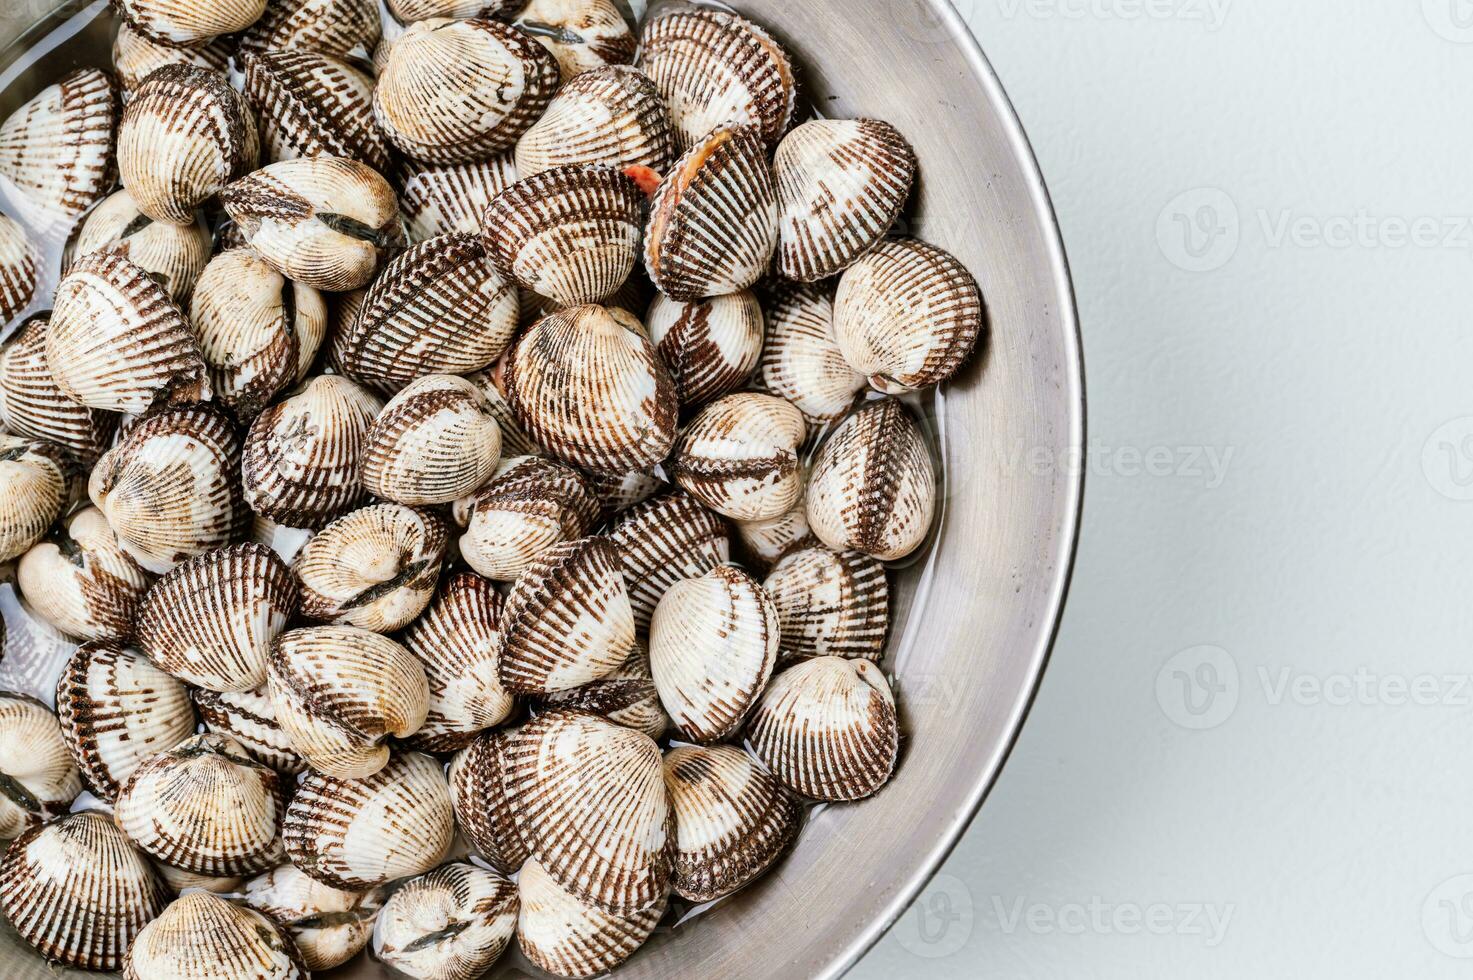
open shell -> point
(82, 581)
(568, 937)
(626, 697)
(18, 272)
(38, 779)
(135, 56)
(36, 485)
(329, 925)
(449, 924)
(532, 504)
(58, 148)
(663, 541)
(34, 406)
(482, 808)
(801, 361)
(739, 456)
(188, 23)
(204, 937)
(711, 346)
(830, 604)
(434, 442)
(250, 718)
(340, 28)
(174, 255)
(612, 115)
(312, 104)
(374, 568)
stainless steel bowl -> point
(980, 616)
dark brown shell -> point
(61, 178)
(311, 104)
(830, 604)
(340, 28)
(18, 271)
(711, 346)
(33, 405)
(249, 718)
(664, 540)
(481, 806)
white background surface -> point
(1312, 590)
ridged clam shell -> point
(311, 105)
(713, 219)
(205, 937)
(186, 23)
(340, 28)
(250, 718)
(831, 604)
(663, 541)
(33, 405)
(589, 800)
(117, 709)
(361, 833)
(78, 891)
(801, 360)
(329, 925)
(842, 184)
(322, 221)
(410, 11)
(135, 56)
(204, 806)
(732, 820)
(449, 924)
(873, 484)
(715, 68)
(38, 779)
(587, 385)
(454, 91)
(532, 504)
(713, 644)
(482, 808)
(570, 938)
(621, 491)
(908, 315)
(211, 621)
(35, 652)
(612, 115)
(185, 135)
(634, 295)
(626, 697)
(567, 620)
(58, 147)
(711, 346)
(570, 233)
(765, 542)
(18, 270)
(438, 200)
(374, 568)
(583, 35)
(180, 881)
(303, 457)
(36, 485)
(826, 728)
(117, 342)
(739, 456)
(174, 255)
(434, 442)
(82, 581)
(170, 488)
(339, 693)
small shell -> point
(450, 924)
(590, 803)
(713, 220)
(33, 405)
(185, 135)
(826, 728)
(711, 346)
(78, 891)
(322, 221)
(117, 342)
(873, 485)
(570, 233)
(117, 709)
(374, 568)
(663, 541)
(571, 938)
(340, 28)
(831, 604)
(173, 255)
(434, 442)
(170, 488)
(908, 315)
(765, 542)
(586, 384)
(626, 697)
(410, 11)
(18, 272)
(567, 620)
(188, 23)
(38, 779)
(329, 925)
(801, 361)
(36, 485)
(482, 809)
(250, 718)
(739, 456)
(732, 820)
(438, 200)
(361, 833)
(135, 57)
(313, 105)
(204, 937)
(612, 115)
(532, 504)
(58, 148)
(82, 581)
(454, 91)
(340, 692)
(584, 35)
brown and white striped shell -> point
(626, 697)
(311, 104)
(584, 35)
(830, 604)
(568, 937)
(732, 820)
(410, 11)
(873, 484)
(482, 808)
(78, 891)
(739, 456)
(117, 709)
(329, 925)
(361, 833)
(38, 779)
(532, 504)
(33, 405)
(450, 924)
(908, 315)
(340, 692)
(340, 28)
(713, 219)
(135, 56)
(19, 274)
(454, 91)
(440, 199)
(205, 937)
(249, 717)
(174, 255)
(58, 148)
(826, 728)
(189, 23)
(82, 581)
(36, 485)
(36, 653)
(621, 491)
(589, 800)
(801, 361)
(663, 541)
(587, 385)
(765, 542)
(374, 568)
(711, 346)
(434, 442)
(181, 881)
(612, 115)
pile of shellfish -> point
(452, 456)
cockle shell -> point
(36, 485)
(312, 104)
(567, 620)
(631, 297)
(169, 487)
(454, 91)
(205, 937)
(361, 833)
(329, 925)
(250, 718)
(33, 405)
(185, 135)
(765, 542)
(18, 271)
(732, 820)
(612, 115)
(830, 604)
(826, 728)
(434, 442)
(908, 315)
(78, 891)
(801, 361)
(482, 809)
(873, 484)
(174, 255)
(568, 937)
(374, 568)
(663, 541)
(180, 881)
(410, 11)
(584, 35)
(339, 693)
(587, 385)
(739, 456)
(38, 779)
(117, 709)
(438, 200)
(449, 924)
(711, 346)
(340, 28)
(715, 68)
(188, 23)
(35, 652)
(117, 342)
(58, 148)
(589, 800)
(204, 806)
(322, 221)
(622, 491)
(626, 697)
(135, 56)
(532, 504)
(713, 219)
(211, 621)
(570, 233)
(82, 581)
